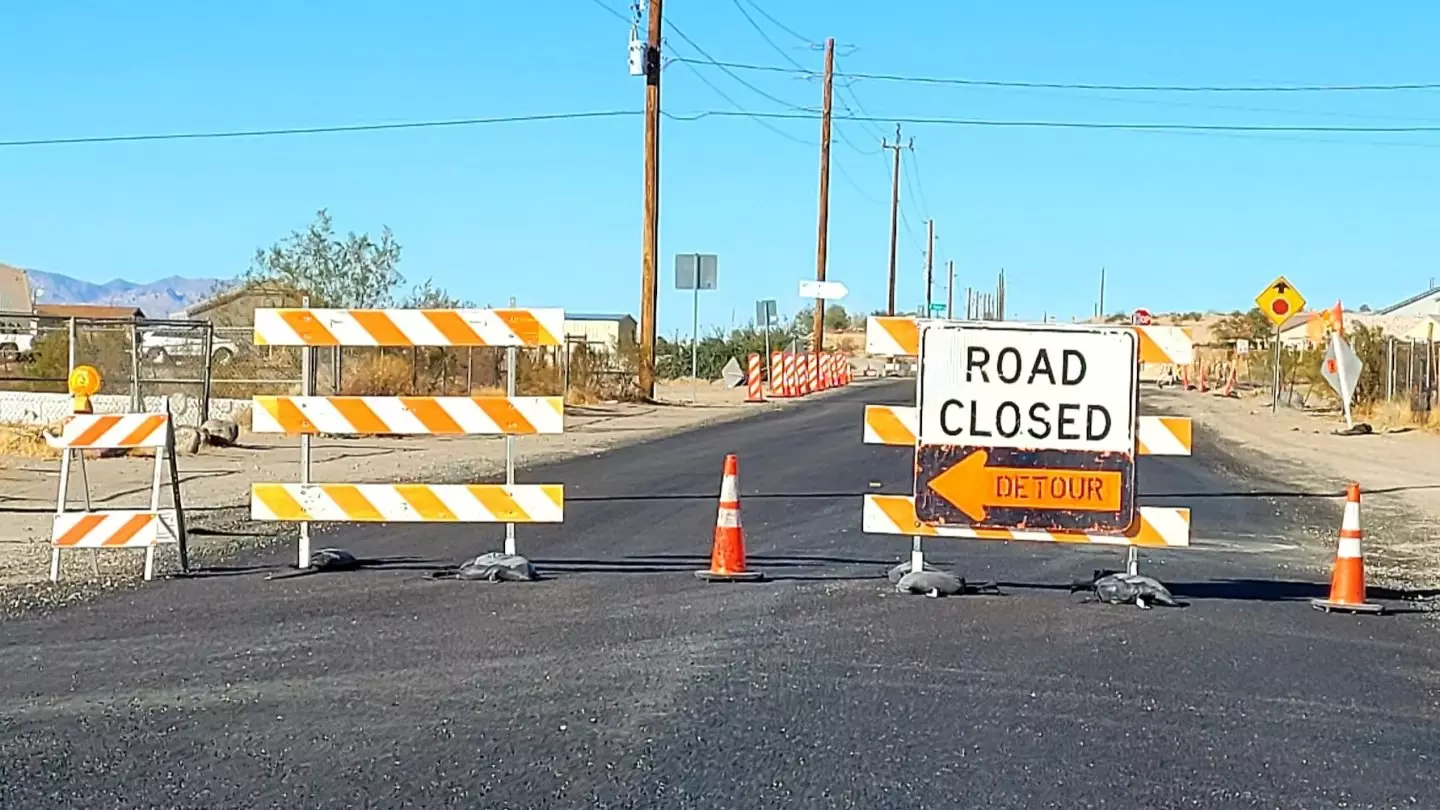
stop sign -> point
(1141, 317)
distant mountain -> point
(157, 299)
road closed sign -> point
(1027, 427)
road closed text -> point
(1030, 389)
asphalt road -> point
(621, 681)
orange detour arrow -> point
(974, 487)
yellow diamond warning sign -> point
(1280, 301)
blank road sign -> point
(766, 313)
(696, 271)
(1027, 427)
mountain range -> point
(157, 299)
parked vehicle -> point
(162, 346)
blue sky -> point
(550, 212)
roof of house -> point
(1433, 291)
(236, 294)
(14, 289)
(580, 316)
(87, 311)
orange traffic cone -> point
(1185, 378)
(727, 554)
(1347, 582)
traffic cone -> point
(1347, 582)
(1185, 378)
(1229, 384)
(727, 553)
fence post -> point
(71, 341)
(208, 380)
(137, 402)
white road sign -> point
(829, 290)
(1044, 388)
(1341, 368)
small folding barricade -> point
(98, 529)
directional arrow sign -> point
(829, 290)
(973, 486)
(1280, 301)
(1027, 427)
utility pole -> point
(929, 263)
(1000, 295)
(894, 208)
(650, 238)
(950, 293)
(823, 238)
(1100, 307)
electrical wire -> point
(710, 60)
(1141, 88)
(613, 12)
(323, 130)
(812, 43)
(839, 167)
(759, 117)
(1102, 125)
(761, 31)
(741, 109)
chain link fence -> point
(203, 371)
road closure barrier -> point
(117, 528)
(754, 381)
(1026, 432)
(798, 374)
(308, 415)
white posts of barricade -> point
(117, 528)
(308, 415)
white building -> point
(1418, 306)
(602, 333)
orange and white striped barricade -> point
(754, 384)
(777, 388)
(829, 370)
(812, 366)
(898, 425)
(791, 384)
(308, 415)
(117, 528)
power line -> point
(851, 180)
(759, 116)
(324, 130)
(913, 165)
(812, 43)
(1143, 88)
(1136, 126)
(710, 60)
(613, 12)
(739, 107)
(768, 41)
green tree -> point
(836, 318)
(429, 296)
(1252, 325)
(356, 271)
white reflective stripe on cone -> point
(729, 518)
(728, 491)
(1349, 548)
(1352, 517)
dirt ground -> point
(1398, 471)
(216, 482)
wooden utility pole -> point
(950, 292)
(650, 239)
(823, 237)
(894, 209)
(929, 264)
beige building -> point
(602, 333)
